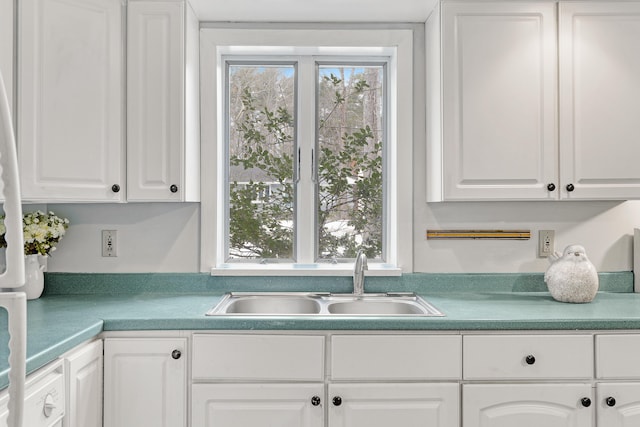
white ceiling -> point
(313, 10)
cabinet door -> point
(618, 404)
(257, 405)
(145, 382)
(83, 369)
(527, 405)
(70, 132)
(155, 99)
(384, 405)
(600, 99)
(499, 104)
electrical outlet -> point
(546, 243)
(109, 243)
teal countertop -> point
(69, 313)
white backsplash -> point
(164, 237)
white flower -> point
(41, 232)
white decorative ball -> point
(572, 277)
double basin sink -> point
(329, 304)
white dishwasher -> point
(44, 398)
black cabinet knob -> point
(586, 402)
(173, 188)
(337, 401)
(610, 401)
(115, 188)
(176, 354)
(315, 400)
(570, 188)
(530, 359)
(551, 186)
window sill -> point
(302, 270)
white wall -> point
(164, 237)
(605, 229)
(6, 45)
(152, 237)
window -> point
(301, 148)
(265, 169)
(260, 143)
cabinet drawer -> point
(258, 357)
(617, 356)
(527, 356)
(399, 357)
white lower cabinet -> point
(257, 405)
(388, 404)
(145, 382)
(527, 405)
(519, 376)
(256, 380)
(618, 404)
(356, 379)
(618, 373)
(305, 405)
(83, 371)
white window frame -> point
(394, 43)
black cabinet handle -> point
(586, 402)
(530, 359)
(115, 188)
(176, 354)
(315, 400)
(610, 401)
(337, 401)
(173, 188)
(570, 188)
(551, 186)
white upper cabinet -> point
(70, 119)
(499, 97)
(497, 102)
(162, 109)
(600, 99)
(71, 127)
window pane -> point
(260, 131)
(350, 137)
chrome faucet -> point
(359, 267)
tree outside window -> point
(349, 175)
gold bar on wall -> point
(479, 234)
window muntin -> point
(264, 165)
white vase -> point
(33, 277)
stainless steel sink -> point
(272, 304)
(363, 306)
(309, 303)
